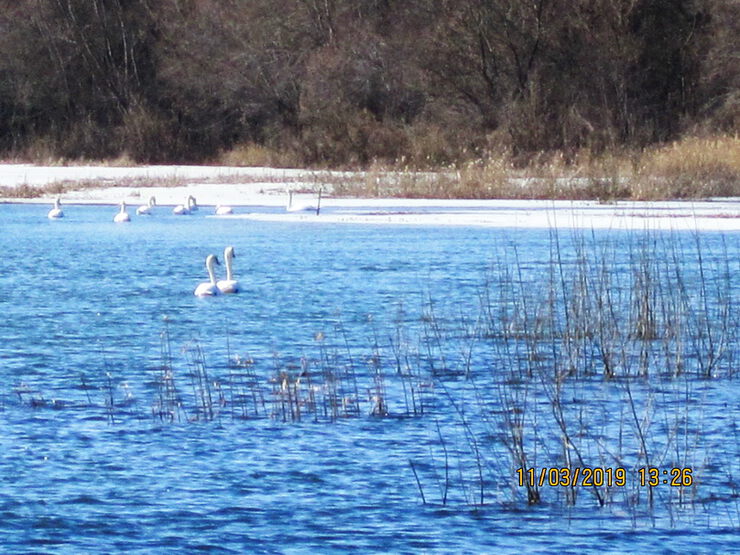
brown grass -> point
(690, 168)
(255, 155)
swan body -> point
(122, 215)
(56, 212)
(228, 285)
(223, 210)
(146, 209)
(189, 207)
(208, 288)
(301, 206)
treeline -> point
(350, 82)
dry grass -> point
(42, 152)
(254, 155)
(690, 168)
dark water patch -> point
(83, 500)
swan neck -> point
(229, 274)
(211, 272)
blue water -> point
(88, 464)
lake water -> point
(127, 424)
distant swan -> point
(189, 207)
(208, 288)
(56, 212)
(122, 215)
(302, 206)
(228, 285)
(223, 210)
(146, 209)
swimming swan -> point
(228, 285)
(223, 210)
(122, 215)
(302, 206)
(189, 207)
(56, 212)
(208, 288)
(146, 209)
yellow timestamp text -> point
(648, 476)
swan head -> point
(229, 252)
(152, 201)
(211, 260)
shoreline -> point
(267, 188)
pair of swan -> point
(189, 207)
(56, 212)
(211, 288)
(143, 210)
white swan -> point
(56, 212)
(302, 206)
(189, 207)
(122, 215)
(228, 285)
(146, 209)
(223, 210)
(208, 288)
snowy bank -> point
(247, 189)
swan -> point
(146, 209)
(122, 215)
(208, 288)
(223, 210)
(189, 207)
(56, 212)
(228, 285)
(302, 206)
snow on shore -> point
(248, 188)
(705, 216)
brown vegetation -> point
(472, 85)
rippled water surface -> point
(87, 464)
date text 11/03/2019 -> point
(604, 476)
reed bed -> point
(586, 363)
(691, 168)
